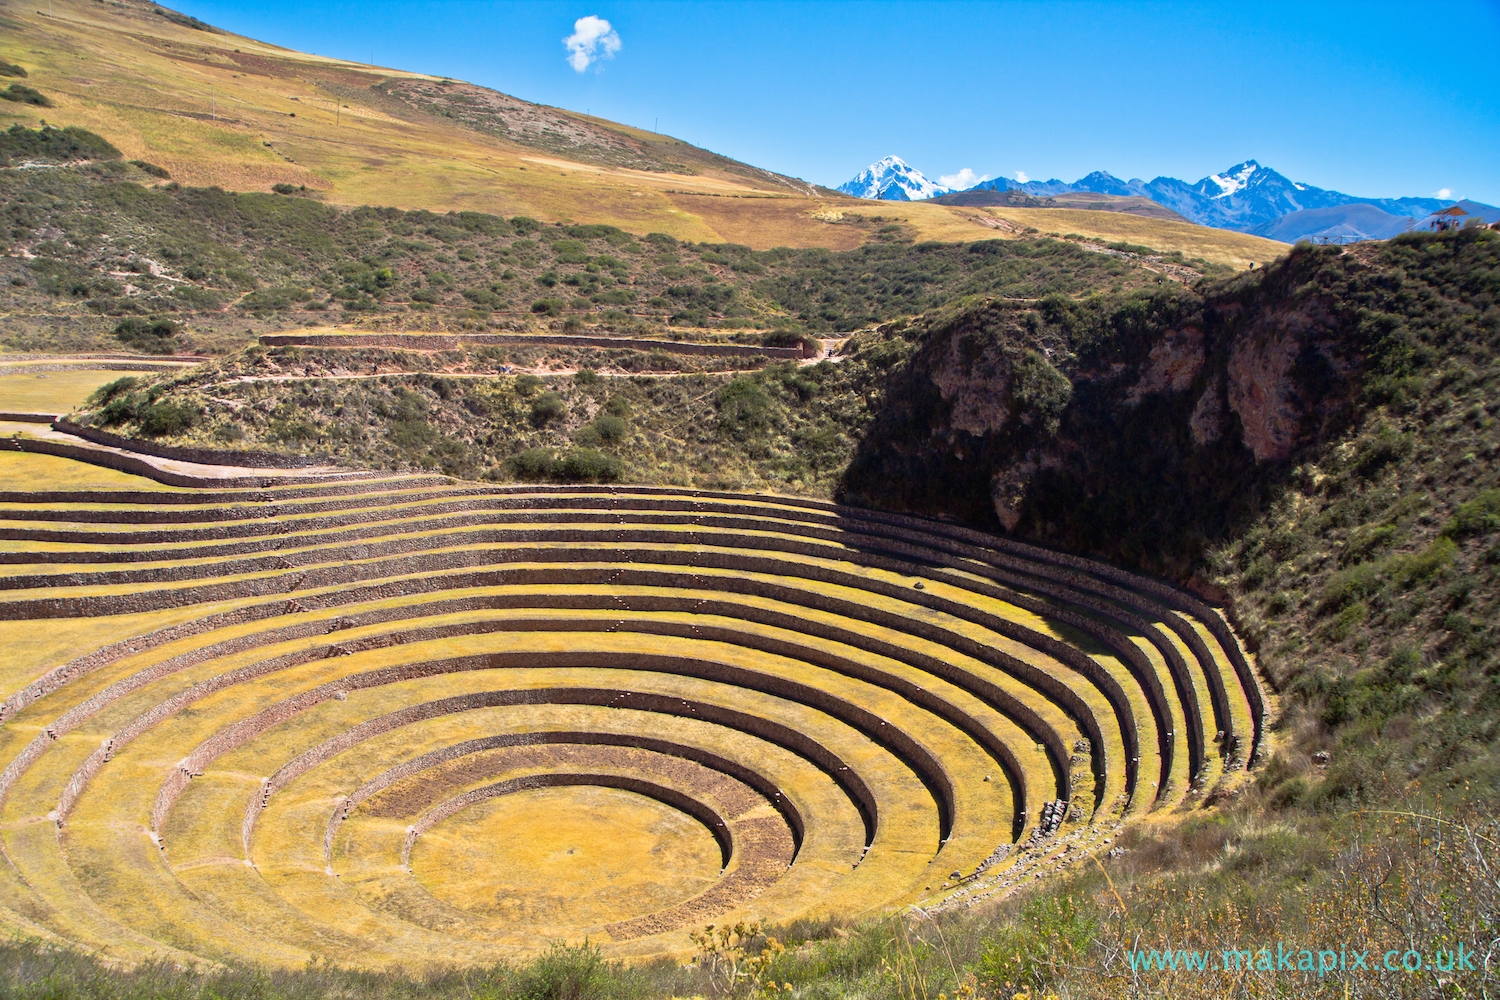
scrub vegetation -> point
(108, 240)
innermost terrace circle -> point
(569, 856)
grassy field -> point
(25, 472)
(52, 392)
(215, 109)
(1216, 245)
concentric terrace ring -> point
(375, 720)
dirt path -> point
(47, 364)
(1156, 265)
(327, 377)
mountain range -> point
(1248, 198)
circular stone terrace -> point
(379, 720)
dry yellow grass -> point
(52, 392)
(597, 855)
(20, 471)
(946, 223)
(1219, 246)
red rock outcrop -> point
(1174, 362)
(978, 388)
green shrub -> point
(295, 430)
(1480, 516)
(587, 376)
(1051, 934)
(788, 338)
(1348, 620)
(576, 465)
(548, 307)
(1366, 540)
(533, 464)
(618, 406)
(547, 408)
(745, 409)
(163, 419)
(1380, 449)
(590, 231)
(154, 336)
(1409, 569)
(275, 298)
(11, 69)
(610, 428)
(48, 143)
(526, 385)
(110, 390)
(484, 297)
(151, 168)
(584, 465)
(1349, 585)
(22, 94)
(566, 972)
(1041, 391)
(186, 20)
(1365, 580)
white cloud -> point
(1443, 193)
(592, 39)
(1021, 177)
(961, 181)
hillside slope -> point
(216, 109)
(219, 109)
(1087, 200)
(91, 248)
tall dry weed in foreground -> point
(1413, 912)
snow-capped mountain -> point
(1248, 197)
(892, 179)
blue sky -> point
(1377, 100)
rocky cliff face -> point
(1174, 416)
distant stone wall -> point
(198, 456)
(452, 342)
(116, 461)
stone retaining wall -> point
(198, 456)
(453, 342)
